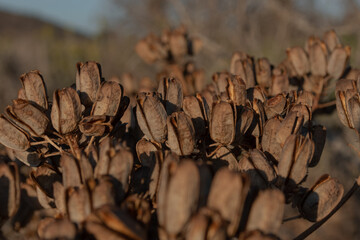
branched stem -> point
(318, 224)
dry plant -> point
(112, 160)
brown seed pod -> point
(197, 108)
(299, 60)
(236, 90)
(145, 151)
(110, 222)
(269, 143)
(348, 108)
(178, 44)
(10, 190)
(102, 192)
(331, 39)
(88, 79)
(27, 117)
(321, 199)
(295, 157)
(78, 203)
(223, 122)
(224, 157)
(181, 133)
(263, 72)
(66, 110)
(206, 224)
(108, 99)
(242, 65)
(267, 212)
(44, 178)
(71, 173)
(338, 61)
(95, 125)
(172, 94)
(151, 116)
(150, 49)
(11, 136)
(227, 195)
(280, 81)
(275, 105)
(34, 89)
(52, 228)
(259, 169)
(318, 58)
(30, 157)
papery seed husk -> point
(224, 157)
(172, 94)
(103, 192)
(267, 211)
(181, 133)
(263, 72)
(331, 39)
(30, 157)
(275, 105)
(108, 99)
(299, 60)
(151, 116)
(28, 117)
(228, 198)
(59, 197)
(322, 199)
(121, 166)
(51, 228)
(78, 203)
(10, 185)
(66, 110)
(11, 136)
(279, 82)
(318, 59)
(70, 171)
(93, 125)
(145, 150)
(183, 192)
(222, 123)
(34, 88)
(198, 109)
(88, 79)
(338, 61)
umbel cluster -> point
(117, 160)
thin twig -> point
(325, 105)
(318, 224)
(52, 143)
(89, 144)
(291, 218)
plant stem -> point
(291, 218)
(318, 224)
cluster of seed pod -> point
(214, 163)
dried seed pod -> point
(348, 108)
(70, 171)
(138, 208)
(88, 78)
(275, 105)
(295, 157)
(227, 195)
(299, 60)
(108, 99)
(269, 143)
(206, 224)
(280, 82)
(263, 72)
(102, 192)
(181, 133)
(256, 93)
(302, 111)
(338, 61)
(259, 169)
(52, 228)
(10, 190)
(27, 117)
(236, 90)
(66, 110)
(34, 88)
(242, 65)
(59, 197)
(223, 122)
(172, 94)
(12, 137)
(314, 84)
(178, 44)
(145, 151)
(95, 125)
(290, 125)
(78, 203)
(267, 211)
(331, 39)
(321, 199)
(306, 98)
(197, 108)
(244, 121)
(258, 235)
(44, 178)
(221, 81)
(150, 49)
(151, 116)
(30, 157)
(259, 117)
(318, 58)
(182, 191)
(224, 157)
(109, 222)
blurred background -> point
(52, 36)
